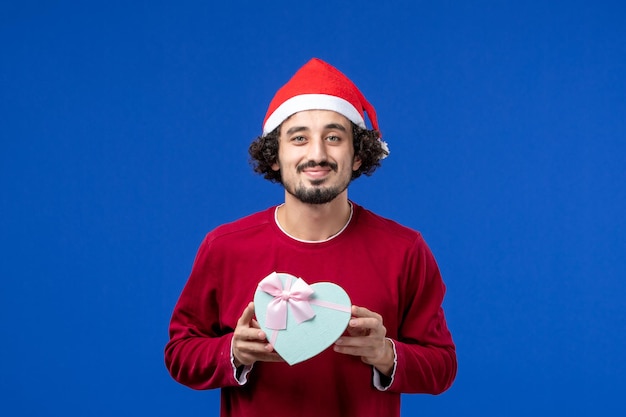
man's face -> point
(316, 155)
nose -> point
(317, 150)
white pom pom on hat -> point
(320, 86)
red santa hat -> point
(319, 86)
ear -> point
(275, 166)
(356, 164)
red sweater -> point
(382, 265)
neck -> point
(313, 222)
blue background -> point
(124, 129)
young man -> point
(314, 143)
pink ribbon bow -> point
(297, 296)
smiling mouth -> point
(317, 172)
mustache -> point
(313, 164)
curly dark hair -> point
(367, 146)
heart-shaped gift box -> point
(300, 320)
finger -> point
(253, 352)
(363, 312)
(366, 342)
(365, 351)
(248, 334)
(364, 325)
(252, 347)
(357, 332)
(247, 315)
(367, 348)
(364, 319)
(249, 351)
(351, 341)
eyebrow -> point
(330, 126)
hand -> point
(367, 340)
(249, 342)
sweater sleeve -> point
(198, 353)
(425, 353)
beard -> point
(317, 194)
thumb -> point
(247, 315)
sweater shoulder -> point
(383, 226)
(247, 224)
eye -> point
(333, 138)
(298, 139)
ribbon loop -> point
(295, 294)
